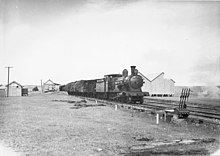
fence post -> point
(116, 107)
(157, 118)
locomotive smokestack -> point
(132, 70)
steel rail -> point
(160, 106)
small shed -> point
(15, 89)
(2, 91)
(50, 86)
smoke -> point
(206, 73)
(210, 92)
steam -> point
(206, 73)
(210, 91)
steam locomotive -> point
(117, 87)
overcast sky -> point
(66, 40)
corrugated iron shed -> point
(158, 85)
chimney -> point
(132, 70)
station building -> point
(50, 86)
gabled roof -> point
(47, 82)
(15, 83)
(143, 76)
(2, 87)
(172, 80)
(152, 77)
(158, 76)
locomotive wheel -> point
(141, 101)
(129, 100)
(123, 100)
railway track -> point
(197, 111)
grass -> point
(194, 99)
(42, 125)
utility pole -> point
(8, 80)
(41, 87)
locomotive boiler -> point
(129, 87)
(118, 87)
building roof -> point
(14, 82)
(172, 80)
(152, 77)
(2, 87)
(50, 82)
(143, 76)
(158, 76)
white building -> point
(50, 86)
(15, 89)
(157, 85)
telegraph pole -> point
(8, 80)
(41, 87)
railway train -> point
(117, 87)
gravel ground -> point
(42, 125)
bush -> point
(35, 89)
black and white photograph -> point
(109, 78)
